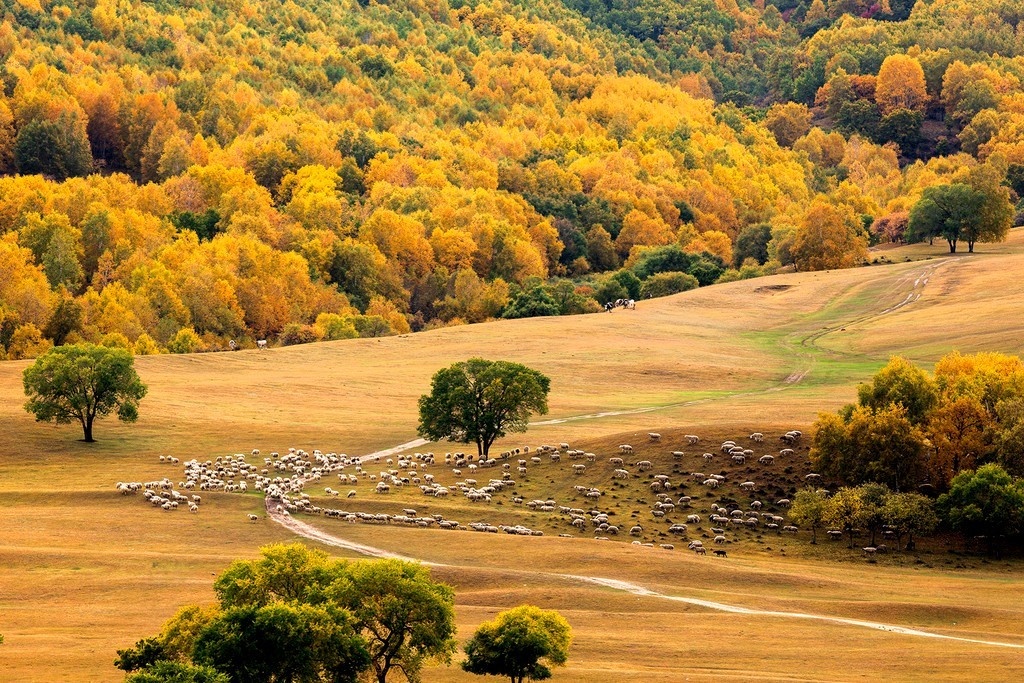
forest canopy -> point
(177, 175)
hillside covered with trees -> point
(179, 174)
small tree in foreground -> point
(404, 617)
(83, 382)
(514, 643)
(478, 401)
(297, 616)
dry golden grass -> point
(84, 571)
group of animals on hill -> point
(680, 501)
(620, 303)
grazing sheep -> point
(692, 439)
(252, 518)
(625, 449)
(654, 436)
(261, 344)
(579, 469)
(620, 474)
(615, 461)
(644, 465)
(693, 519)
(721, 553)
(766, 460)
(757, 437)
(748, 486)
(719, 539)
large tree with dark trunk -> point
(478, 401)
(83, 382)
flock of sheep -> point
(284, 478)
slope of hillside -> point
(722, 361)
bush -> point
(294, 333)
(610, 290)
(331, 327)
(664, 284)
(27, 342)
(145, 346)
(184, 341)
(667, 259)
(530, 303)
(115, 340)
(372, 326)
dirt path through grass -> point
(919, 281)
(312, 533)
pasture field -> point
(84, 571)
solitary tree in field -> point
(478, 401)
(976, 212)
(514, 643)
(83, 382)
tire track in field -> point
(312, 533)
(920, 281)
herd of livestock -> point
(285, 481)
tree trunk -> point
(970, 247)
(814, 535)
(952, 246)
(87, 430)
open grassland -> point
(84, 571)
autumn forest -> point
(175, 174)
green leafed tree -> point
(909, 515)
(296, 616)
(516, 642)
(900, 382)
(809, 509)
(845, 511)
(282, 642)
(882, 446)
(976, 212)
(986, 503)
(404, 617)
(478, 401)
(58, 148)
(83, 382)
(177, 672)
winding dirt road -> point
(920, 279)
(312, 533)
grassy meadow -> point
(84, 571)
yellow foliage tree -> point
(901, 85)
(828, 236)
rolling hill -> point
(84, 571)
